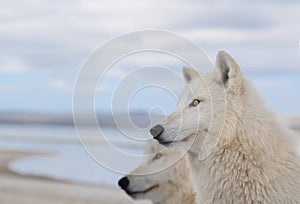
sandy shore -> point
(19, 189)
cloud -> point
(12, 65)
(47, 42)
(59, 36)
(60, 85)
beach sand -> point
(21, 189)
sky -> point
(45, 43)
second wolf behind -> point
(167, 185)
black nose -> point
(123, 183)
(156, 131)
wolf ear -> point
(229, 72)
(189, 74)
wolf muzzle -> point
(156, 131)
(123, 183)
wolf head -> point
(199, 118)
(161, 186)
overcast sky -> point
(44, 43)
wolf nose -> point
(156, 131)
(123, 183)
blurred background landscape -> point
(45, 43)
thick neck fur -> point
(183, 194)
(182, 190)
(253, 161)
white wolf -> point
(240, 152)
(167, 186)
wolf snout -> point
(123, 183)
(156, 131)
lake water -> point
(71, 161)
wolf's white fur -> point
(240, 152)
(173, 184)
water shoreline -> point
(39, 189)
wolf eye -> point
(157, 156)
(195, 103)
